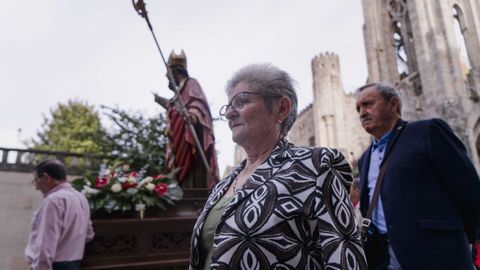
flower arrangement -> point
(118, 189)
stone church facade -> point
(430, 50)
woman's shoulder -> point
(321, 163)
(320, 156)
(316, 152)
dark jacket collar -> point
(399, 126)
(365, 164)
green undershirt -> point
(208, 231)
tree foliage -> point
(132, 138)
(137, 141)
(72, 127)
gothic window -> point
(402, 41)
(401, 55)
(397, 10)
(459, 29)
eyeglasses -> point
(36, 180)
(239, 100)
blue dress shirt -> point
(376, 157)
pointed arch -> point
(460, 29)
(403, 42)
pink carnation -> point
(161, 189)
(128, 185)
(101, 181)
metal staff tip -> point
(140, 8)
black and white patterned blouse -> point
(293, 213)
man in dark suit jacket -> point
(429, 207)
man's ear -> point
(284, 108)
(48, 178)
(395, 102)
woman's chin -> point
(238, 137)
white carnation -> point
(122, 179)
(150, 186)
(116, 187)
(87, 191)
(144, 181)
(147, 179)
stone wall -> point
(303, 130)
(18, 199)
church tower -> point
(327, 96)
(335, 120)
(430, 51)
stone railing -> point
(24, 160)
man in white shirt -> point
(61, 225)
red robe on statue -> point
(192, 172)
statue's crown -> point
(177, 59)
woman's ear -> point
(284, 108)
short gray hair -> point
(387, 91)
(269, 80)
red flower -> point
(133, 174)
(160, 176)
(161, 189)
(101, 182)
(128, 185)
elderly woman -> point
(283, 207)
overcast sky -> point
(102, 52)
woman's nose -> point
(230, 112)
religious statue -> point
(182, 150)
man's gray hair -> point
(387, 91)
(270, 81)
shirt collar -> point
(64, 184)
(380, 144)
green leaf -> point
(160, 205)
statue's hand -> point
(157, 98)
(192, 118)
(160, 100)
